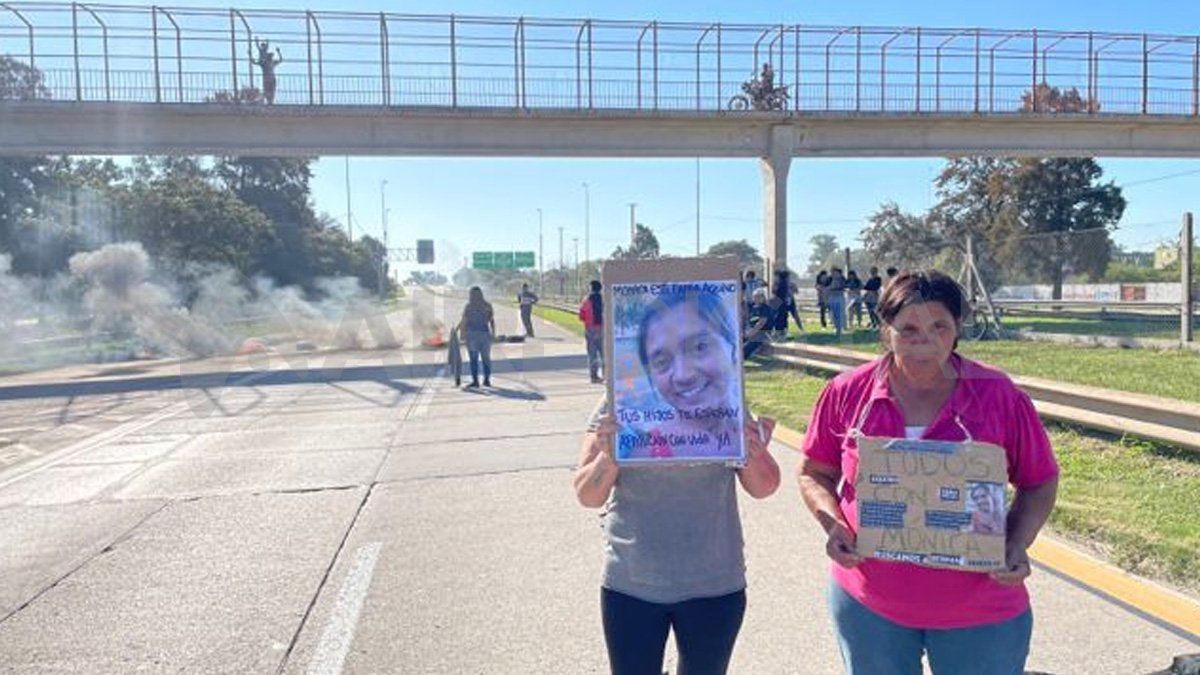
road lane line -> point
(97, 441)
(330, 654)
(426, 395)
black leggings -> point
(705, 630)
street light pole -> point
(561, 267)
(632, 221)
(587, 223)
(697, 206)
(541, 268)
(576, 241)
(383, 222)
(349, 210)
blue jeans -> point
(595, 351)
(873, 645)
(837, 310)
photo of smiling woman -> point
(682, 396)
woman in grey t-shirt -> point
(673, 548)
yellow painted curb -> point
(1153, 600)
(1161, 603)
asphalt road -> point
(355, 512)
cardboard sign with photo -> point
(674, 367)
(932, 503)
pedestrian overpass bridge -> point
(129, 80)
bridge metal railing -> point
(123, 53)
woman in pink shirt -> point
(888, 614)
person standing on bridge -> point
(888, 613)
(478, 326)
(268, 62)
(591, 313)
(527, 299)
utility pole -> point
(349, 210)
(562, 282)
(541, 268)
(576, 241)
(697, 207)
(632, 224)
(587, 223)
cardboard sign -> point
(932, 503)
(672, 334)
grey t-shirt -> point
(672, 533)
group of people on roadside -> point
(839, 297)
(842, 296)
(674, 551)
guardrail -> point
(1158, 419)
(163, 54)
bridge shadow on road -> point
(190, 376)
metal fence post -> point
(1187, 307)
(154, 32)
(453, 64)
(75, 42)
(655, 35)
(384, 67)
(1145, 73)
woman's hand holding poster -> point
(675, 376)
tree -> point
(1065, 216)
(1047, 99)
(23, 180)
(746, 254)
(901, 239)
(825, 247)
(183, 220)
(645, 246)
(21, 82)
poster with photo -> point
(932, 503)
(673, 330)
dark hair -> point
(853, 274)
(475, 296)
(892, 271)
(707, 305)
(597, 301)
(913, 287)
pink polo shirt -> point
(991, 407)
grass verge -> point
(1172, 373)
(1135, 503)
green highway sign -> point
(482, 260)
(503, 260)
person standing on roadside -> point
(591, 313)
(854, 287)
(527, 299)
(871, 290)
(478, 328)
(822, 286)
(835, 298)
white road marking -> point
(426, 395)
(330, 654)
(96, 441)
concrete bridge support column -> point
(775, 168)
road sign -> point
(503, 260)
(425, 251)
(482, 260)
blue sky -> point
(484, 204)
